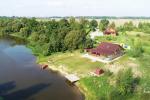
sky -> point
(47, 8)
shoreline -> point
(64, 72)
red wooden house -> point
(107, 49)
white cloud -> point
(55, 3)
(74, 7)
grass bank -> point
(72, 62)
(97, 88)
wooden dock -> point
(72, 78)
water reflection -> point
(22, 79)
(22, 94)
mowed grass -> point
(73, 62)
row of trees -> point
(50, 36)
(144, 27)
(129, 26)
(53, 36)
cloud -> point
(55, 3)
(74, 7)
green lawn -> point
(74, 62)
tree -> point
(88, 43)
(140, 25)
(144, 27)
(103, 24)
(136, 49)
(35, 36)
(64, 23)
(73, 39)
(25, 31)
(43, 38)
(85, 23)
(6, 30)
(93, 25)
(128, 26)
(124, 82)
(72, 20)
(112, 25)
(125, 86)
(50, 36)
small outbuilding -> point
(99, 71)
(110, 31)
(44, 66)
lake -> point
(22, 79)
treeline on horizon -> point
(88, 17)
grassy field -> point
(72, 62)
(119, 22)
(95, 87)
(140, 65)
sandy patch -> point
(115, 68)
(135, 69)
(94, 58)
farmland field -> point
(118, 22)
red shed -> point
(44, 66)
(110, 31)
(99, 71)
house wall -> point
(110, 56)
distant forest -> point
(89, 17)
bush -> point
(125, 86)
(108, 73)
(136, 50)
(138, 35)
(126, 83)
(115, 95)
(46, 53)
(109, 38)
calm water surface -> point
(22, 79)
